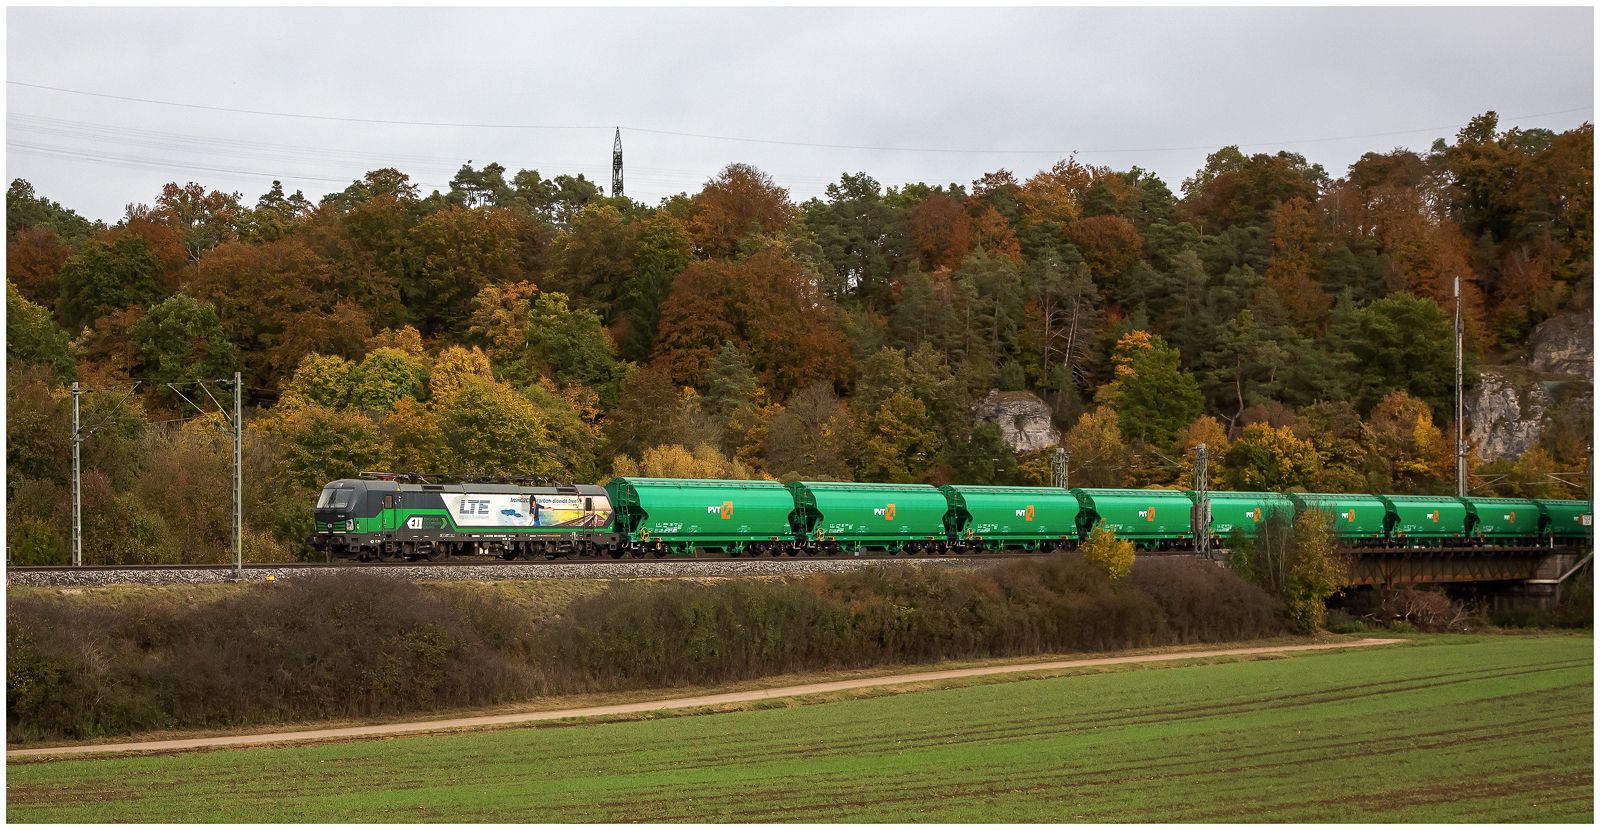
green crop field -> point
(1442, 729)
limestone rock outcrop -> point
(1505, 414)
(1024, 419)
(1564, 345)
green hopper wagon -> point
(1152, 519)
(669, 515)
(1503, 521)
(1567, 522)
(842, 516)
(1428, 520)
(1245, 510)
(1031, 518)
(1357, 519)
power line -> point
(488, 126)
(191, 143)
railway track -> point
(482, 569)
(479, 562)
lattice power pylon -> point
(616, 165)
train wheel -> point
(385, 555)
(437, 554)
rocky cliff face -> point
(1505, 414)
(1024, 419)
(1564, 345)
(1513, 405)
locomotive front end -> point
(338, 517)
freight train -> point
(396, 516)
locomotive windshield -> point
(334, 498)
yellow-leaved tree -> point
(1098, 452)
(491, 429)
(1270, 458)
(673, 461)
(1106, 551)
(1317, 573)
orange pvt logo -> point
(1029, 515)
(727, 510)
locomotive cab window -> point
(388, 502)
(334, 498)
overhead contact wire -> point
(397, 122)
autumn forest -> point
(1298, 322)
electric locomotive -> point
(395, 516)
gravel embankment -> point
(485, 573)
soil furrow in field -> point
(684, 703)
(891, 792)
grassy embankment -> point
(359, 646)
(1443, 729)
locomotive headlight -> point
(349, 524)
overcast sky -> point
(543, 89)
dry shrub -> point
(1204, 603)
(639, 635)
(188, 473)
(1423, 610)
(359, 644)
(330, 647)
